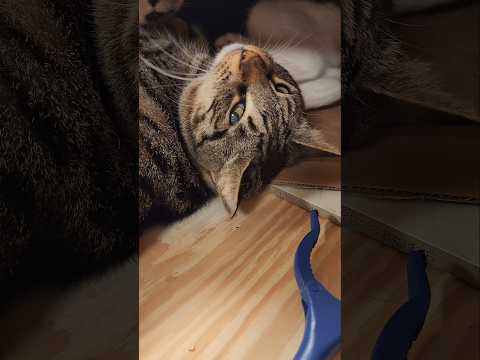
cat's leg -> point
(322, 91)
(303, 64)
(320, 85)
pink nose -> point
(251, 65)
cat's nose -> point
(252, 65)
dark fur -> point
(374, 61)
(68, 165)
(167, 177)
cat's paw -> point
(230, 38)
(304, 64)
(321, 92)
(146, 7)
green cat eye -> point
(236, 113)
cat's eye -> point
(282, 89)
(236, 113)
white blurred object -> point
(305, 38)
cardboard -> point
(326, 202)
(415, 153)
(447, 232)
(319, 172)
(437, 162)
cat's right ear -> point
(227, 182)
(314, 139)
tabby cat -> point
(222, 123)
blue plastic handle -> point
(406, 323)
(322, 310)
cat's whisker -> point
(185, 52)
(284, 43)
(300, 41)
(161, 87)
(289, 44)
(187, 75)
(293, 43)
(269, 39)
(166, 53)
(164, 72)
(280, 45)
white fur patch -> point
(320, 85)
(225, 50)
(321, 92)
(302, 63)
(212, 213)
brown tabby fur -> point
(68, 174)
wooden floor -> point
(227, 290)
(374, 285)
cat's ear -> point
(227, 182)
(315, 139)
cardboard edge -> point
(304, 204)
(437, 258)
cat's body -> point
(68, 163)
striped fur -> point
(67, 165)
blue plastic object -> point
(406, 323)
(322, 333)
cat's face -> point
(240, 121)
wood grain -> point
(226, 289)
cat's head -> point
(242, 122)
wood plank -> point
(226, 289)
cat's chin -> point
(226, 50)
